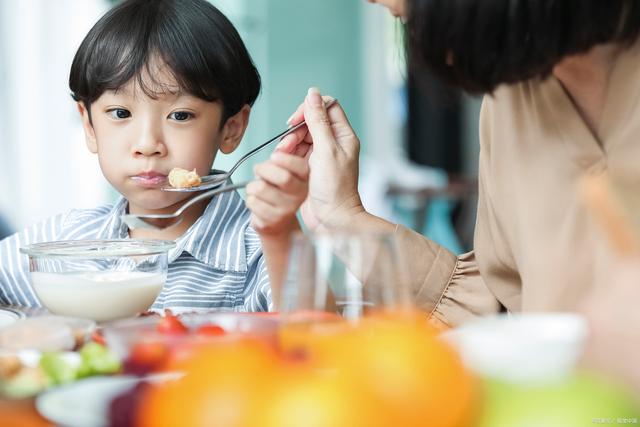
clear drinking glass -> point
(351, 274)
(333, 281)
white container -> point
(523, 348)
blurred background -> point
(419, 141)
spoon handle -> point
(275, 138)
(210, 193)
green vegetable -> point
(97, 360)
(57, 368)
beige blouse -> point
(536, 247)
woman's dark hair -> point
(194, 39)
(479, 44)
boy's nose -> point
(149, 143)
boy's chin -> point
(158, 201)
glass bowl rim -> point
(91, 249)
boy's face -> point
(139, 140)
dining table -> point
(22, 412)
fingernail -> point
(290, 119)
(315, 99)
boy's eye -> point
(119, 113)
(181, 116)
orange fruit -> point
(414, 378)
(312, 339)
(315, 399)
(224, 385)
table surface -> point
(21, 413)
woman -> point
(563, 78)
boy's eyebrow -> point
(169, 95)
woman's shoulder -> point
(509, 112)
(514, 98)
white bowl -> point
(523, 347)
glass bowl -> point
(134, 340)
(98, 279)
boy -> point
(163, 84)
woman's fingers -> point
(303, 149)
(298, 115)
(279, 201)
(292, 163)
(318, 121)
(290, 143)
(284, 171)
(263, 211)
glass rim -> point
(95, 249)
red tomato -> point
(210, 330)
(171, 325)
(149, 354)
(98, 337)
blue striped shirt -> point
(216, 265)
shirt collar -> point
(215, 239)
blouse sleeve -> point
(447, 287)
(452, 289)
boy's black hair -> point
(479, 44)
(194, 39)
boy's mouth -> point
(150, 179)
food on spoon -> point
(182, 178)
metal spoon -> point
(162, 221)
(215, 180)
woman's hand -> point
(277, 193)
(332, 149)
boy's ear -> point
(89, 133)
(233, 130)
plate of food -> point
(38, 353)
(147, 344)
(88, 402)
